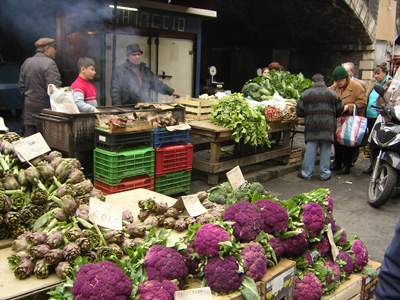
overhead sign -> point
(386, 24)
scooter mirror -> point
(379, 89)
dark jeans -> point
(344, 155)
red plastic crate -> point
(130, 183)
(173, 158)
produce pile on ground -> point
(289, 86)
(229, 253)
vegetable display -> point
(289, 86)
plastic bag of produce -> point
(61, 99)
(277, 101)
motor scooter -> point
(385, 152)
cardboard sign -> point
(30, 147)
(334, 249)
(198, 294)
(235, 177)
(105, 215)
(192, 205)
(386, 23)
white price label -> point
(193, 205)
(198, 294)
(235, 177)
(105, 215)
(30, 147)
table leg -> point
(215, 151)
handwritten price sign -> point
(105, 215)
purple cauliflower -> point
(323, 246)
(155, 289)
(329, 219)
(276, 244)
(348, 264)
(208, 237)
(163, 263)
(308, 257)
(191, 263)
(342, 240)
(329, 207)
(254, 259)
(310, 288)
(296, 245)
(275, 217)
(102, 280)
(221, 274)
(313, 218)
(333, 266)
(248, 220)
(360, 255)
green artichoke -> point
(84, 244)
(64, 269)
(114, 236)
(24, 269)
(39, 251)
(12, 219)
(73, 234)
(71, 252)
(15, 258)
(68, 205)
(53, 257)
(5, 203)
(41, 269)
(55, 239)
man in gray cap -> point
(132, 81)
(36, 73)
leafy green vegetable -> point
(289, 86)
(247, 124)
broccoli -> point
(163, 263)
(219, 194)
(155, 289)
(257, 187)
(253, 256)
(102, 280)
(222, 275)
(313, 217)
(207, 239)
(295, 245)
(274, 215)
(241, 194)
(345, 263)
(248, 222)
(310, 288)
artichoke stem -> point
(57, 182)
(84, 223)
(3, 163)
(55, 200)
(51, 225)
(41, 186)
(52, 187)
(10, 192)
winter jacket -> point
(125, 87)
(352, 94)
(388, 286)
(36, 73)
(320, 107)
(386, 95)
(84, 94)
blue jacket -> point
(388, 286)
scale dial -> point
(212, 70)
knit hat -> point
(133, 48)
(339, 73)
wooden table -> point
(217, 134)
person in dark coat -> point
(388, 286)
(320, 106)
(36, 73)
(132, 81)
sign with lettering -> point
(30, 147)
(235, 177)
(198, 294)
(193, 205)
(105, 215)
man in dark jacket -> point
(388, 286)
(36, 73)
(320, 106)
(132, 81)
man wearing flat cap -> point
(132, 81)
(36, 73)
(353, 97)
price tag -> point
(105, 215)
(334, 249)
(235, 177)
(198, 294)
(30, 147)
(193, 205)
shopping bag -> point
(351, 131)
(61, 99)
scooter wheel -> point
(381, 187)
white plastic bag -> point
(61, 99)
(277, 101)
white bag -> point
(61, 99)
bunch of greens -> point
(246, 123)
(289, 86)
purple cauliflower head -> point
(343, 237)
(296, 245)
(313, 218)
(335, 277)
(276, 244)
(248, 220)
(329, 207)
(208, 237)
(275, 217)
(102, 280)
(310, 288)
(323, 246)
(254, 259)
(221, 274)
(348, 265)
(191, 263)
(163, 263)
(155, 289)
(308, 257)
(360, 255)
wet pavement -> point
(375, 227)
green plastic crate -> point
(111, 167)
(173, 183)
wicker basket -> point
(276, 119)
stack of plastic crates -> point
(173, 161)
(123, 161)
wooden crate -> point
(196, 109)
(368, 283)
(296, 155)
